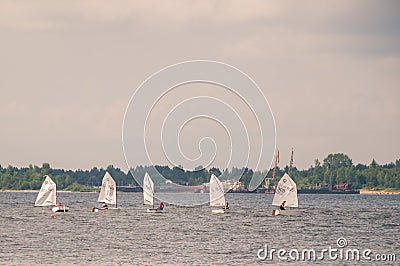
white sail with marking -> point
(286, 190)
(108, 192)
(47, 193)
(148, 190)
(217, 196)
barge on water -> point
(129, 189)
(326, 191)
(339, 188)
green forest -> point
(333, 169)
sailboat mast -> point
(276, 164)
(152, 194)
(274, 172)
(291, 164)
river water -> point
(195, 236)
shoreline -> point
(365, 191)
(22, 190)
(36, 191)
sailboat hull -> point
(113, 209)
(285, 212)
(60, 209)
(220, 211)
(154, 211)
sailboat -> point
(108, 194)
(217, 195)
(286, 190)
(148, 194)
(47, 196)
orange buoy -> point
(52, 215)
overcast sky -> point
(330, 72)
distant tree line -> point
(199, 176)
(339, 167)
(80, 180)
(333, 169)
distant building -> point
(238, 186)
(342, 186)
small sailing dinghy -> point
(217, 195)
(148, 194)
(108, 194)
(286, 190)
(48, 196)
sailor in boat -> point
(282, 207)
(104, 206)
(226, 207)
(161, 207)
(59, 204)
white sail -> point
(286, 190)
(148, 190)
(217, 196)
(108, 192)
(47, 193)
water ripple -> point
(189, 235)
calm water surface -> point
(192, 235)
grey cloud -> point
(330, 72)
